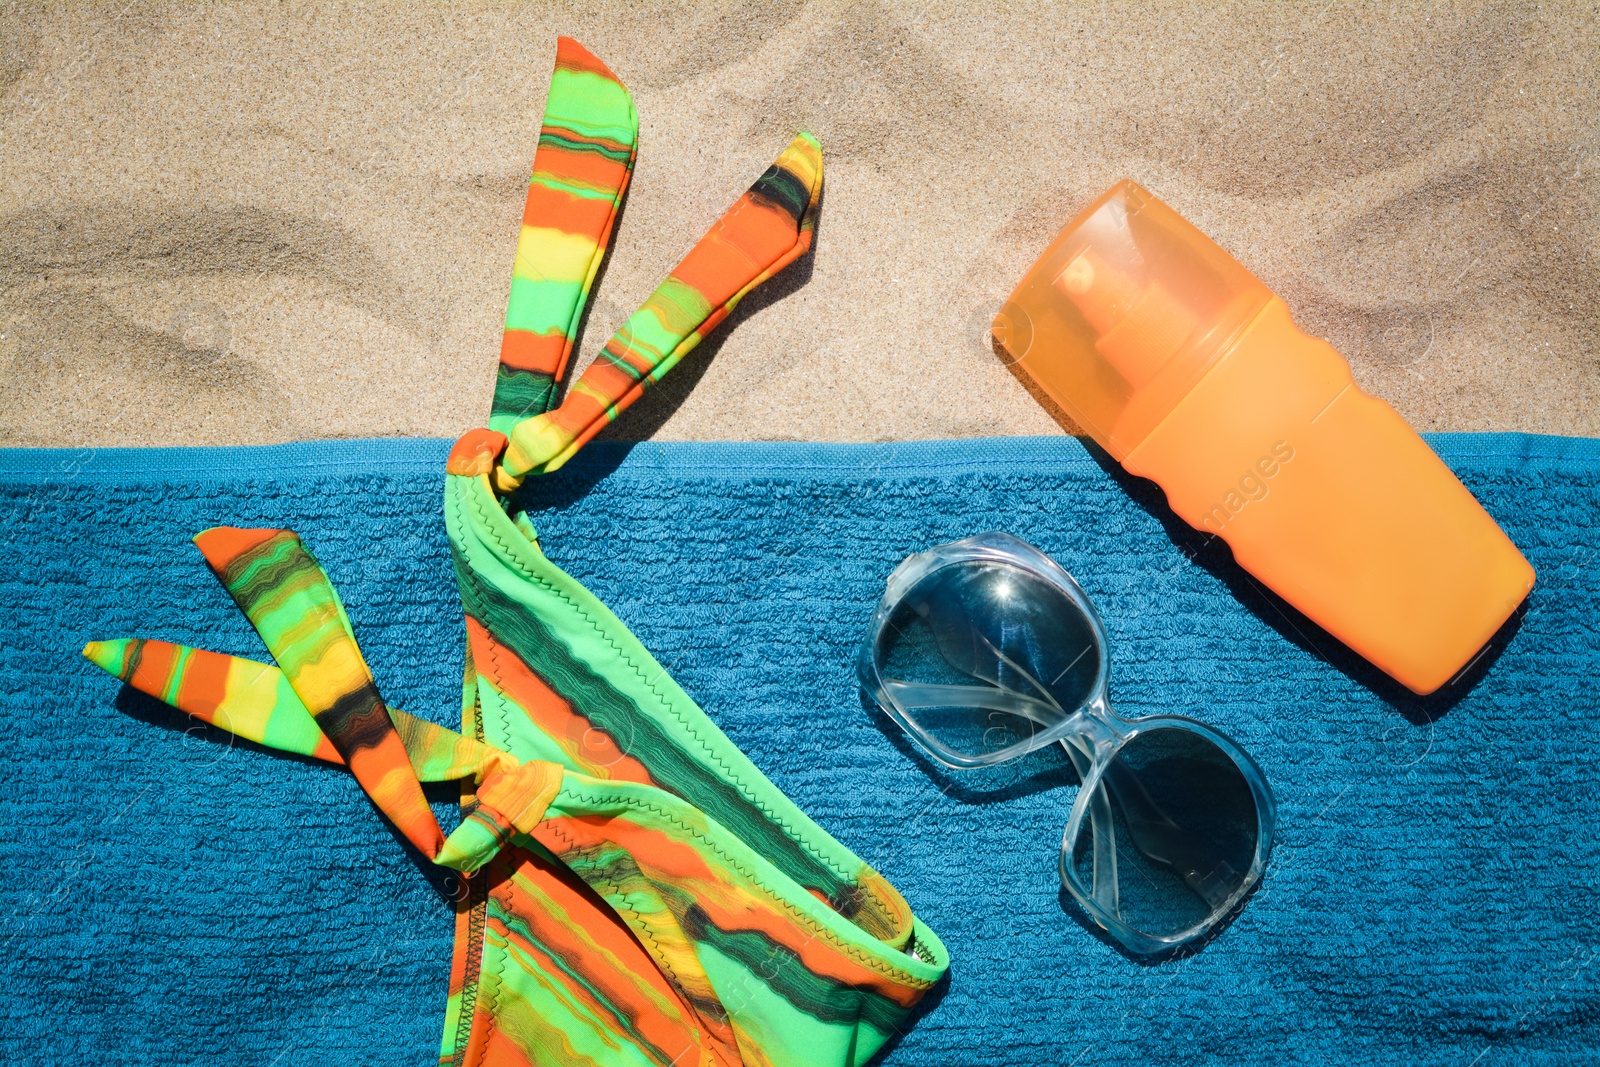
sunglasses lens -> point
(1169, 836)
(983, 657)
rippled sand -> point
(254, 225)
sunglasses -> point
(986, 650)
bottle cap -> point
(1124, 312)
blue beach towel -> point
(1433, 897)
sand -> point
(247, 224)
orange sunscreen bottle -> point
(1190, 372)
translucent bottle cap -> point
(1124, 312)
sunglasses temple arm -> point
(1104, 885)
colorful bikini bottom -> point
(640, 893)
(634, 890)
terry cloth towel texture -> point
(1430, 899)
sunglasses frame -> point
(1092, 734)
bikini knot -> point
(509, 802)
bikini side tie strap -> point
(587, 145)
(768, 228)
(322, 701)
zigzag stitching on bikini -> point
(476, 917)
(491, 1000)
(494, 649)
